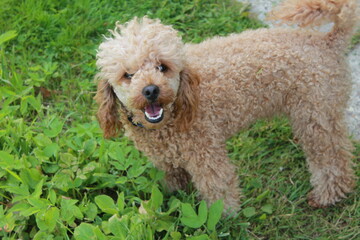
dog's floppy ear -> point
(187, 99)
(108, 112)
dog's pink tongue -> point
(153, 109)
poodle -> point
(179, 102)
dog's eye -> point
(162, 68)
(128, 75)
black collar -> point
(130, 118)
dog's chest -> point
(158, 146)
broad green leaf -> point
(215, 212)
(22, 190)
(267, 208)
(174, 205)
(6, 160)
(91, 211)
(99, 234)
(106, 204)
(115, 152)
(55, 128)
(105, 227)
(77, 212)
(119, 226)
(189, 216)
(89, 147)
(41, 235)
(84, 232)
(69, 211)
(90, 167)
(162, 225)
(19, 207)
(203, 212)
(50, 167)
(38, 190)
(175, 235)
(156, 198)
(142, 183)
(44, 219)
(41, 140)
(52, 196)
(135, 171)
(121, 165)
(249, 212)
(63, 181)
(39, 203)
(87, 231)
(188, 213)
(67, 202)
(51, 217)
(67, 160)
(201, 237)
(31, 176)
(51, 150)
(39, 154)
(29, 211)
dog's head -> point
(143, 75)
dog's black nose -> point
(151, 92)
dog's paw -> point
(314, 202)
(331, 190)
(327, 197)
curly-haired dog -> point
(180, 102)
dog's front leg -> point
(213, 175)
(176, 178)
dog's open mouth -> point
(154, 113)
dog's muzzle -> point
(154, 112)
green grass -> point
(355, 39)
(59, 179)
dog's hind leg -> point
(322, 133)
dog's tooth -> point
(147, 115)
(155, 118)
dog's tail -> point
(317, 12)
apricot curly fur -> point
(107, 114)
(210, 91)
(187, 100)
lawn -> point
(61, 180)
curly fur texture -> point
(208, 92)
